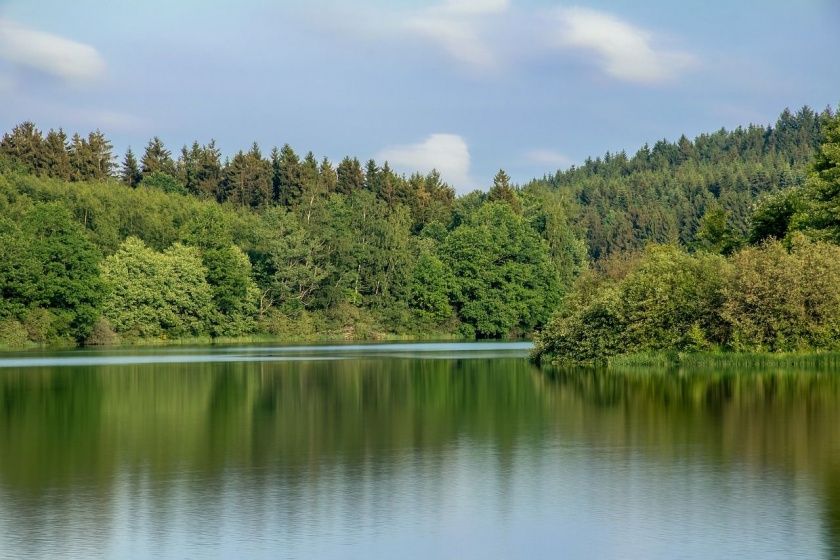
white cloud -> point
(448, 153)
(548, 157)
(66, 59)
(476, 6)
(459, 27)
(624, 51)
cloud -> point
(475, 6)
(548, 157)
(458, 26)
(448, 153)
(624, 51)
(63, 58)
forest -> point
(157, 246)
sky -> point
(464, 86)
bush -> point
(102, 334)
(783, 300)
(12, 334)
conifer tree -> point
(502, 191)
(56, 156)
(101, 154)
(289, 180)
(157, 158)
(130, 173)
(372, 177)
(350, 177)
(208, 171)
(327, 176)
(24, 144)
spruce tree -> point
(130, 173)
(350, 177)
(327, 176)
(157, 158)
(25, 146)
(290, 183)
(372, 177)
(101, 155)
(57, 158)
(502, 191)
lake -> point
(410, 451)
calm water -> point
(410, 451)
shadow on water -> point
(143, 434)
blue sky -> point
(467, 86)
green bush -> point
(12, 334)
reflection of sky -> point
(267, 353)
(361, 78)
(383, 456)
(557, 499)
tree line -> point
(199, 245)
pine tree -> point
(327, 176)
(289, 181)
(350, 177)
(208, 171)
(130, 173)
(101, 154)
(82, 162)
(247, 179)
(57, 158)
(502, 191)
(157, 158)
(25, 146)
(372, 177)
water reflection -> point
(387, 456)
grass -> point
(722, 358)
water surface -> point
(410, 451)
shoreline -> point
(238, 340)
(671, 359)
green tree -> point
(151, 294)
(56, 156)
(429, 286)
(25, 145)
(130, 173)
(163, 182)
(48, 263)
(820, 214)
(503, 191)
(288, 177)
(248, 179)
(349, 176)
(293, 262)
(157, 158)
(228, 272)
(715, 235)
(504, 281)
(772, 216)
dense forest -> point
(774, 287)
(154, 246)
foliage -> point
(819, 214)
(151, 294)
(47, 263)
(504, 282)
(662, 193)
(764, 298)
(781, 301)
(163, 182)
(669, 299)
(282, 242)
